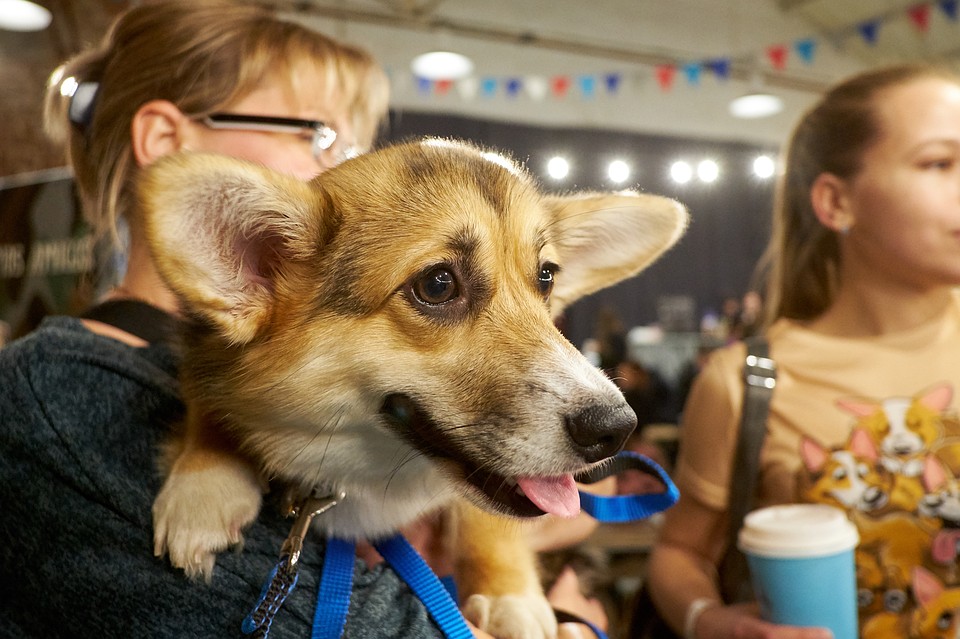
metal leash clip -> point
(283, 578)
(305, 512)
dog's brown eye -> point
(436, 287)
(545, 279)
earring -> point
(844, 230)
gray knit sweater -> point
(81, 418)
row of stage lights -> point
(681, 172)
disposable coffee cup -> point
(802, 566)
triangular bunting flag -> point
(805, 49)
(442, 87)
(869, 30)
(587, 85)
(612, 81)
(665, 73)
(920, 16)
(949, 8)
(424, 86)
(536, 86)
(512, 87)
(692, 71)
(467, 88)
(778, 56)
(488, 87)
(560, 84)
(720, 67)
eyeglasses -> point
(326, 145)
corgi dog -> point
(386, 331)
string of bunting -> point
(589, 86)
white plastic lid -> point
(797, 530)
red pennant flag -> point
(665, 73)
(441, 87)
(920, 16)
(778, 56)
(559, 85)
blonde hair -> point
(201, 55)
(801, 263)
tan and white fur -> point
(386, 330)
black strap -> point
(138, 318)
(759, 377)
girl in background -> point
(864, 325)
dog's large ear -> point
(605, 238)
(219, 229)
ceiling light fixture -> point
(20, 15)
(441, 65)
(558, 168)
(764, 167)
(708, 171)
(681, 172)
(618, 171)
(756, 104)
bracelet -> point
(694, 610)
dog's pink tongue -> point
(556, 495)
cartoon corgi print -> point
(903, 427)
(934, 617)
(896, 476)
(942, 504)
(845, 477)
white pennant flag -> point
(467, 88)
(536, 86)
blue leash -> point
(336, 582)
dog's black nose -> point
(600, 430)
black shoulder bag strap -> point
(759, 377)
(138, 318)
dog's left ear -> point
(220, 229)
(605, 238)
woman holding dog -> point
(86, 402)
(864, 262)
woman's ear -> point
(830, 202)
(156, 131)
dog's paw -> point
(516, 616)
(200, 513)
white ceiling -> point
(541, 39)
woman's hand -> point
(742, 621)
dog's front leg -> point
(497, 577)
(209, 495)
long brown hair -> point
(200, 55)
(802, 260)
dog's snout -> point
(600, 430)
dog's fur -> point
(385, 330)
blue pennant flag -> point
(692, 71)
(424, 86)
(949, 7)
(488, 87)
(513, 87)
(720, 67)
(587, 85)
(805, 49)
(869, 31)
(613, 82)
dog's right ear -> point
(220, 230)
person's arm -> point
(682, 567)
(682, 576)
